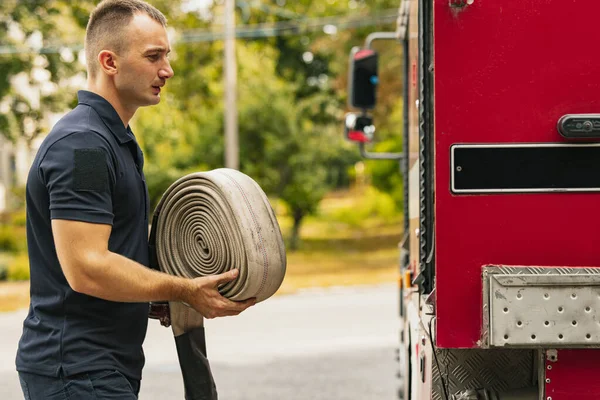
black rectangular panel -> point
(364, 81)
(525, 168)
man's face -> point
(144, 67)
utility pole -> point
(232, 158)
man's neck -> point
(109, 93)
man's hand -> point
(205, 298)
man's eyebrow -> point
(157, 50)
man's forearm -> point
(117, 278)
(90, 268)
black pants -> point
(100, 385)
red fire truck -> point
(500, 261)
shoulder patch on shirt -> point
(90, 171)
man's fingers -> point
(225, 277)
(211, 304)
(230, 308)
(248, 303)
(238, 306)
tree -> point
(36, 77)
(289, 144)
(318, 64)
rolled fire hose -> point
(211, 222)
(208, 223)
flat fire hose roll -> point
(208, 223)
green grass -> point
(334, 251)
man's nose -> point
(166, 72)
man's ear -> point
(108, 62)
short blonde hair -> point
(107, 24)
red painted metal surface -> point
(574, 375)
(505, 72)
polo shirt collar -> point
(107, 113)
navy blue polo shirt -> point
(89, 168)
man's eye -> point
(153, 57)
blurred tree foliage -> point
(291, 93)
(292, 99)
(33, 83)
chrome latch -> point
(578, 126)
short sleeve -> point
(79, 173)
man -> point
(87, 224)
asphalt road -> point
(334, 344)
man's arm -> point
(92, 269)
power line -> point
(388, 15)
(296, 27)
(252, 31)
(269, 9)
